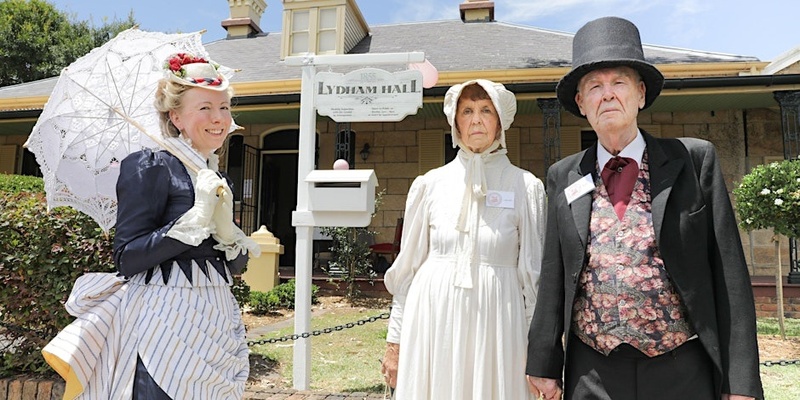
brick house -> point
(749, 108)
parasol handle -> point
(161, 143)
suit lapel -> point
(582, 206)
(663, 173)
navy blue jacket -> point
(153, 191)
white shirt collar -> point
(634, 150)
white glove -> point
(195, 225)
(223, 218)
(205, 195)
(230, 238)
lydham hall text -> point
(409, 87)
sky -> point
(764, 29)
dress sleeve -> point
(413, 252)
(531, 242)
(143, 193)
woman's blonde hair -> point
(169, 97)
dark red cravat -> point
(619, 175)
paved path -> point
(290, 394)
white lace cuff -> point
(240, 245)
(190, 228)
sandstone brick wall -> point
(20, 388)
(767, 306)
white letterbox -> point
(342, 197)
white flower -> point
(778, 202)
(779, 191)
(749, 221)
(765, 191)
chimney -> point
(477, 11)
(245, 17)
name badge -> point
(496, 198)
(579, 188)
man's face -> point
(610, 99)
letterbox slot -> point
(337, 184)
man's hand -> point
(544, 388)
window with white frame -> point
(300, 32)
(327, 37)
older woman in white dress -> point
(466, 278)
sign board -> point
(368, 95)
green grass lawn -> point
(342, 361)
(781, 382)
(770, 326)
(348, 360)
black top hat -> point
(605, 43)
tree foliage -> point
(769, 197)
(37, 40)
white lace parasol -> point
(101, 109)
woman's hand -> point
(389, 364)
(205, 194)
(223, 217)
(544, 388)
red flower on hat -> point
(176, 62)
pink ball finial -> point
(341, 164)
(430, 75)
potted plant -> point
(769, 198)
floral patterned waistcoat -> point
(625, 294)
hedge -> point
(41, 255)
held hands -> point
(544, 388)
(389, 364)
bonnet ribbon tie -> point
(469, 214)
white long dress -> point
(463, 303)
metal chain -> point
(306, 335)
(349, 325)
(780, 362)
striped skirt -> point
(189, 336)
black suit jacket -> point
(698, 239)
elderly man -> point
(643, 278)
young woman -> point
(168, 326)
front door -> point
(279, 199)
(278, 189)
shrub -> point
(41, 255)
(262, 303)
(21, 183)
(281, 296)
(240, 290)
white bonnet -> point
(504, 103)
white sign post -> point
(302, 217)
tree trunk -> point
(779, 285)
